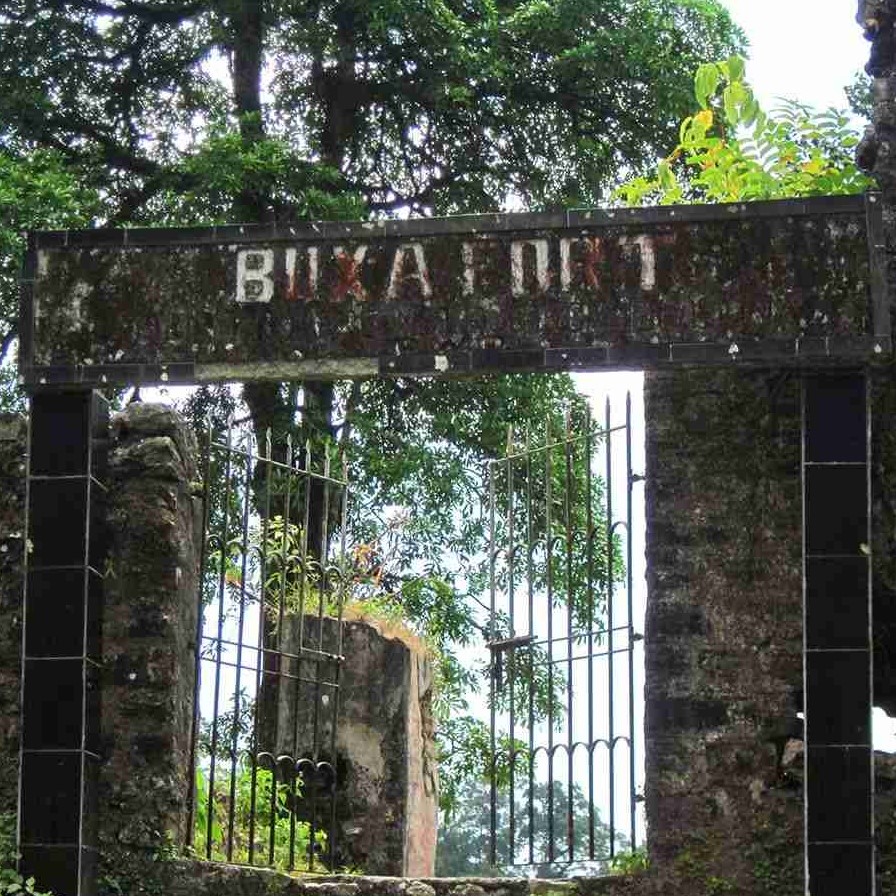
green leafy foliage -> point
(730, 150)
(11, 882)
(262, 816)
(859, 95)
(631, 861)
(227, 164)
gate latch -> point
(499, 648)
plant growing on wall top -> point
(730, 150)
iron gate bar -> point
(570, 608)
(549, 546)
(530, 593)
(563, 550)
(630, 600)
(589, 560)
(610, 664)
(493, 774)
(260, 658)
(510, 560)
(273, 660)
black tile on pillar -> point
(58, 519)
(835, 418)
(53, 703)
(836, 509)
(61, 641)
(58, 600)
(841, 869)
(836, 603)
(58, 866)
(837, 634)
(60, 436)
(51, 784)
(839, 791)
(839, 694)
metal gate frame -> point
(260, 795)
(531, 523)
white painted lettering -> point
(517, 265)
(254, 280)
(398, 275)
(565, 266)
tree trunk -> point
(273, 406)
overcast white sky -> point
(807, 50)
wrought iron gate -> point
(562, 639)
(269, 656)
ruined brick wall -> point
(724, 630)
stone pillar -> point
(724, 631)
(64, 562)
(154, 522)
(12, 542)
(387, 777)
(385, 736)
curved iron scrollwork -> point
(321, 776)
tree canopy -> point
(464, 847)
(122, 112)
(197, 111)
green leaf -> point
(735, 99)
(705, 82)
(736, 68)
(665, 176)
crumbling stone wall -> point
(149, 628)
(724, 630)
(12, 509)
(877, 155)
(387, 778)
